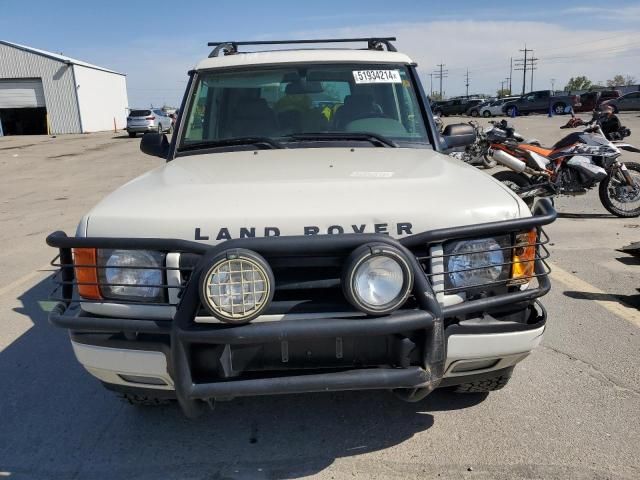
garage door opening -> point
(24, 121)
(23, 110)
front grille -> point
(309, 283)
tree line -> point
(583, 83)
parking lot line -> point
(606, 300)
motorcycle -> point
(575, 164)
(478, 153)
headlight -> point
(377, 279)
(238, 287)
(131, 274)
(474, 263)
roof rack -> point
(373, 43)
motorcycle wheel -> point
(611, 188)
(516, 182)
(488, 161)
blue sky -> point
(157, 42)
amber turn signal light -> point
(85, 261)
(524, 256)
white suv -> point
(306, 234)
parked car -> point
(474, 110)
(494, 108)
(540, 101)
(591, 100)
(456, 106)
(232, 270)
(630, 101)
(152, 120)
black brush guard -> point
(428, 317)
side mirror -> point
(155, 144)
(459, 135)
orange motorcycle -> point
(578, 162)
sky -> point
(156, 43)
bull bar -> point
(416, 381)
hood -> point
(216, 197)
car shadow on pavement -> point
(58, 421)
(626, 300)
(630, 260)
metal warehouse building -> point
(43, 92)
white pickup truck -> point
(306, 234)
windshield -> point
(286, 103)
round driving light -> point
(377, 279)
(237, 287)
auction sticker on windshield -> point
(377, 76)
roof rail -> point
(373, 43)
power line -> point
(510, 73)
(440, 75)
(467, 82)
(526, 63)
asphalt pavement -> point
(571, 410)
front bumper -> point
(420, 329)
(114, 361)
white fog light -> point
(238, 287)
(377, 279)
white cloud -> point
(629, 13)
(157, 68)
(486, 46)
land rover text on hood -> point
(306, 233)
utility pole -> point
(467, 82)
(553, 83)
(525, 64)
(508, 82)
(502, 82)
(431, 83)
(510, 73)
(532, 67)
(440, 75)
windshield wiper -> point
(228, 142)
(374, 138)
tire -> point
(486, 385)
(474, 113)
(558, 108)
(438, 113)
(515, 181)
(512, 112)
(144, 400)
(132, 134)
(486, 114)
(605, 197)
(142, 397)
